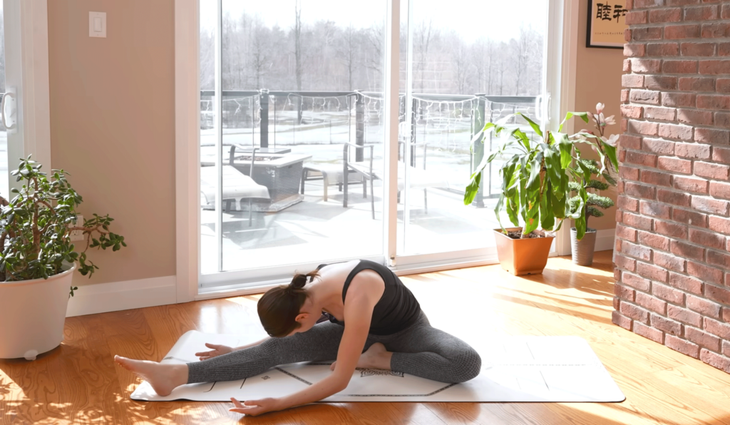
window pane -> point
(470, 62)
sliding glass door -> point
(293, 116)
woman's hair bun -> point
(298, 281)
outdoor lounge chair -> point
(419, 178)
(237, 186)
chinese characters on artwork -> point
(606, 12)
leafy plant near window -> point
(539, 175)
(591, 174)
(35, 227)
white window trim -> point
(562, 38)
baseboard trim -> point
(115, 296)
(605, 239)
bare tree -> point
(298, 42)
(424, 35)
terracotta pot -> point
(522, 256)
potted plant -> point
(535, 189)
(591, 175)
(38, 259)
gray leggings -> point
(418, 350)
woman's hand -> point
(254, 407)
(218, 350)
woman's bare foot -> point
(376, 357)
(162, 377)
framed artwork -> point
(606, 23)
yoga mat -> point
(514, 369)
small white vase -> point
(32, 315)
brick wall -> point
(672, 251)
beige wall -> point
(598, 79)
(112, 126)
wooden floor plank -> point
(78, 382)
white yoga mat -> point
(514, 369)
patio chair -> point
(330, 174)
(237, 186)
(419, 178)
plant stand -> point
(32, 315)
(522, 256)
(582, 250)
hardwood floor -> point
(78, 382)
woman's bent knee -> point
(468, 366)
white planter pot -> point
(32, 315)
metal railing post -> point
(264, 104)
(359, 125)
(479, 148)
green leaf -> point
(535, 127)
(569, 115)
(472, 189)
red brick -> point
(726, 351)
(628, 204)
(675, 131)
(654, 241)
(700, 13)
(685, 283)
(621, 320)
(624, 263)
(725, 12)
(669, 262)
(635, 312)
(713, 102)
(634, 112)
(675, 165)
(637, 251)
(715, 360)
(661, 114)
(656, 178)
(639, 190)
(651, 303)
(692, 218)
(691, 184)
(726, 314)
(624, 92)
(723, 85)
(716, 328)
(703, 307)
(679, 99)
(715, 293)
(643, 34)
(686, 250)
(684, 347)
(697, 84)
(723, 49)
(640, 158)
(722, 119)
(624, 292)
(636, 17)
(655, 209)
(652, 272)
(643, 127)
(648, 332)
(675, 198)
(678, 67)
(662, 49)
(715, 30)
(658, 146)
(673, 230)
(636, 282)
(657, 82)
(667, 293)
(712, 171)
(625, 233)
(716, 258)
(694, 117)
(637, 221)
(669, 326)
(684, 316)
(651, 97)
(692, 150)
(698, 49)
(704, 272)
(676, 32)
(720, 225)
(721, 155)
(657, 16)
(703, 339)
(712, 136)
(634, 50)
(714, 67)
(630, 142)
(720, 190)
(707, 239)
(709, 205)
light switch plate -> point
(97, 24)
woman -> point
(374, 322)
